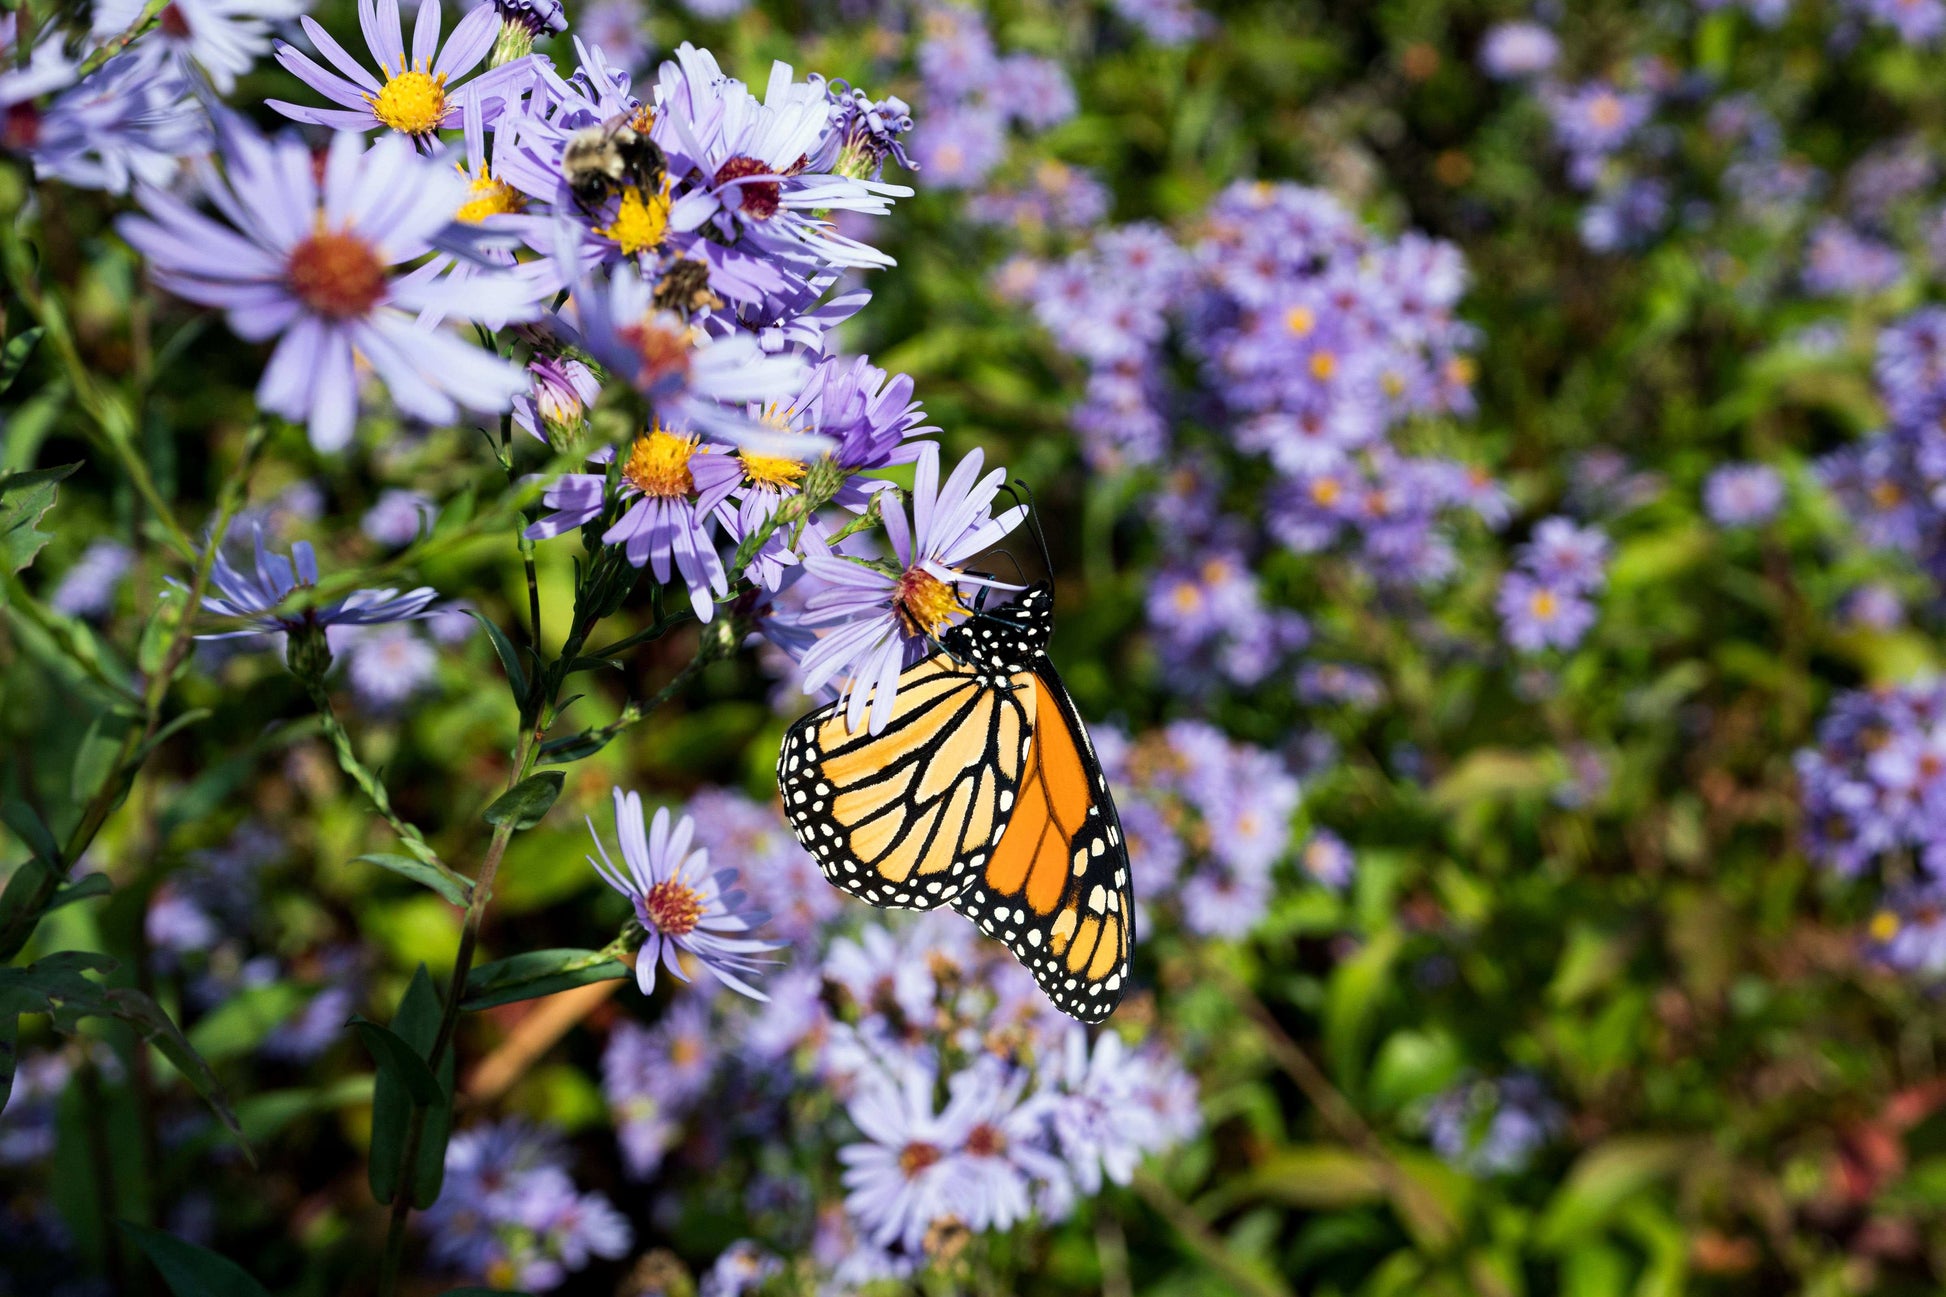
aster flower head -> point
(682, 906)
(313, 261)
(1743, 495)
(131, 122)
(420, 92)
(879, 623)
(898, 1179)
(1566, 556)
(88, 588)
(864, 132)
(252, 597)
(1515, 50)
(1537, 615)
(223, 39)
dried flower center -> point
(672, 908)
(336, 274)
(917, 1156)
(986, 1141)
(490, 197)
(413, 101)
(684, 287)
(640, 223)
(173, 24)
(658, 465)
(925, 604)
(1544, 605)
(759, 199)
(664, 352)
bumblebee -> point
(600, 161)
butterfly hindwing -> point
(982, 791)
(1056, 888)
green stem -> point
(108, 49)
(367, 779)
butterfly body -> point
(984, 793)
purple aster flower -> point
(1875, 606)
(1908, 932)
(252, 597)
(87, 589)
(959, 147)
(619, 28)
(47, 67)
(1565, 556)
(316, 1027)
(1743, 495)
(398, 517)
(1918, 22)
(1096, 1106)
(222, 38)
(1222, 901)
(1493, 1127)
(879, 623)
(1001, 1147)
(672, 486)
(691, 380)
(864, 132)
(645, 1129)
(388, 666)
(1326, 858)
(555, 407)
(1841, 262)
(1033, 91)
(1537, 615)
(744, 1266)
(897, 1180)
(314, 262)
(132, 122)
(1166, 22)
(1517, 50)
(882, 974)
(683, 907)
(957, 57)
(420, 92)
(1596, 118)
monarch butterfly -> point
(983, 792)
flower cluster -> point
(1875, 784)
(511, 1214)
(1891, 483)
(973, 94)
(1545, 602)
(1493, 1126)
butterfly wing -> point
(901, 817)
(1056, 888)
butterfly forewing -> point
(982, 791)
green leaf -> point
(1601, 1180)
(403, 1088)
(456, 888)
(14, 358)
(25, 497)
(509, 658)
(160, 1030)
(189, 1270)
(29, 893)
(537, 973)
(239, 1024)
(26, 823)
(84, 888)
(12, 1005)
(1351, 1003)
(1317, 1177)
(526, 802)
(572, 747)
(95, 759)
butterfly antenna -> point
(1018, 488)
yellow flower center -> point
(1300, 320)
(1323, 364)
(1885, 926)
(490, 197)
(1326, 490)
(1188, 598)
(1544, 605)
(774, 472)
(658, 465)
(1462, 371)
(640, 223)
(413, 101)
(925, 604)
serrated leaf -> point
(455, 888)
(189, 1270)
(25, 497)
(524, 805)
(509, 658)
(537, 973)
(14, 358)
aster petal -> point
(471, 41)
(425, 34)
(379, 20)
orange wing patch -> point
(1048, 813)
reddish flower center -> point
(925, 604)
(986, 1141)
(336, 274)
(664, 352)
(759, 198)
(916, 1157)
(173, 23)
(672, 908)
(20, 128)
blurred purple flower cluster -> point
(973, 94)
(1875, 784)
(1546, 601)
(1493, 1126)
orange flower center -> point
(673, 908)
(916, 1157)
(336, 274)
(658, 465)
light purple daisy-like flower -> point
(1326, 858)
(683, 907)
(880, 623)
(398, 516)
(314, 262)
(959, 147)
(222, 38)
(420, 92)
(131, 122)
(675, 485)
(45, 67)
(1567, 557)
(1002, 1147)
(1537, 615)
(88, 588)
(896, 1181)
(1743, 495)
(251, 597)
(1512, 51)
(388, 666)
